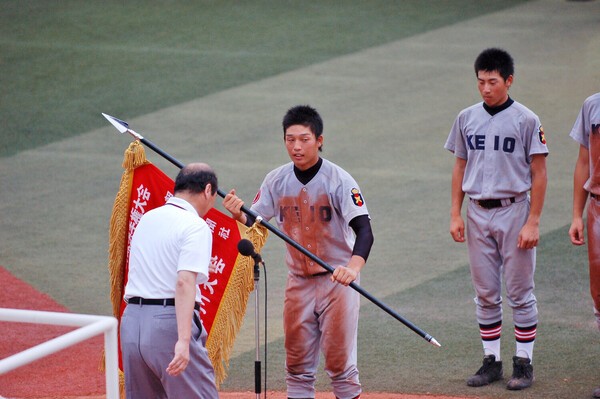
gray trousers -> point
(320, 317)
(148, 337)
(492, 236)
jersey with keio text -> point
(316, 214)
(498, 149)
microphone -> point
(246, 248)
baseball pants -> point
(320, 315)
(593, 227)
(492, 236)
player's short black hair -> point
(304, 115)
(495, 59)
(194, 178)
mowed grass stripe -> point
(63, 62)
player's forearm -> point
(535, 212)
(539, 181)
(456, 205)
(240, 217)
(579, 200)
(356, 263)
(457, 193)
(234, 205)
(580, 176)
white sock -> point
(492, 348)
(490, 338)
(525, 337)
(525, 349)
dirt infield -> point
(326, 395)
(281, 395)
(74, 373)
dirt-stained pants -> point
(593, 227)
(320, 315)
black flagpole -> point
(125, 128)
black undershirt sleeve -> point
(249, 220)
(364, 236)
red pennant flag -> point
(225, 294)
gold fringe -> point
(134, 157)
(102, 368)
(232, 308)
(122, 384)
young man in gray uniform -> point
(320, 206)
(500, 152)
(162, 339)
(586, 181)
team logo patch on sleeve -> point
(256, 197)
(542, 135)
(357, 197)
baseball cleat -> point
(522, 376)
(490, 371)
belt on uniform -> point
(136, 300)
(494, 203)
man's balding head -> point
(194, 178)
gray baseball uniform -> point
(318, 314)
(498, 150)
(586, 131)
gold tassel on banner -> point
(134, 157)
(232, 308)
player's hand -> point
(576, 232)
(181, 358)
(233, 204)
(457, 229)
(529, 236)
(344, 275)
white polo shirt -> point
(168, 239)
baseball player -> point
(586, 180)
(320, 206)
(500, 163)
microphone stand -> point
(257, 364)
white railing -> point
(90, 326)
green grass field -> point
(209, 81)
(62, 61)
(394, 359)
